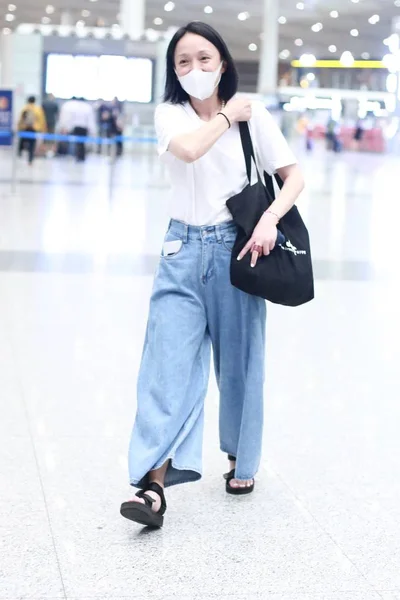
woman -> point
(194, 305)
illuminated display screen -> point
(99, 77)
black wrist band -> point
(224, 115)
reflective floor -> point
(76, 264)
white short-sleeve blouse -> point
(200, 189)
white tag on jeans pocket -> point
(171, 248)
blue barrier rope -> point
(30, 135)
(123, 138)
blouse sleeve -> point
(168, 123)
(271, 148)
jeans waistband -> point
(186, 232)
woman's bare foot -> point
(157, 500)
(155, 476)
(147, 507)
(238, 483)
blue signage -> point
(6, 117)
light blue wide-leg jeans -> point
(194, 305)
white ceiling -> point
(239, 34)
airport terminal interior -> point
(80, 242)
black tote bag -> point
(286, 275)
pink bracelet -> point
(272, 213)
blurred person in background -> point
(309, 133)
(104, 120)
(77, 117)
(51, 111)
(358, 134)
(306, 129)
(310, 137)
(332, 135)
(117, 122)
(194, 305)
(110, 120)
(32, 119)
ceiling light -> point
(169, 6)
(332, 48)
(298, 42)
(116, 31)
(317, 27)
(208, 10)
(310, 76)
(282, 20)
(354, 32)
(85, 13)
(391, 83)
(152, 35)
(46, 20)
(347, 59)
(390, 61)
(80, 24)
(6, 30)
(80, 32)
(100, 33)
(334, 14)
(397, 3)
(50, 9)
(374, 19)
(300, 6)
(355, 1)
(365, 55)
(9, 17)
(64, 30)
(307, 60)
(93, 0)
(26, 28)
(284, 55)
(243, 16)
(394, 43)
(46, 29)
(158, 21)
(253, 47)
(12, 7)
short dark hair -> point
(31, 100)
(228, 85)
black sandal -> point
(144, 513)
(240, 491)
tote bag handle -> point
(249, 156)
(248, 149)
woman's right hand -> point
(238, 109)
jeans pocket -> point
(228, 241)
(172, 246)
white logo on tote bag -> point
(290, 248)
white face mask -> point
(201, 84)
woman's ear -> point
(223, 67)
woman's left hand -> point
(264, 236)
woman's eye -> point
(205, 58)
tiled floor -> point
(76, 266)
